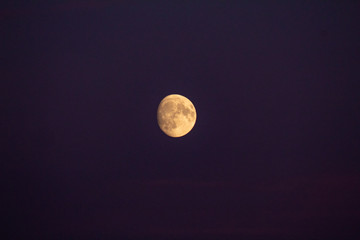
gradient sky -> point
(275, 150)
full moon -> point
(176, 115)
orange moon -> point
(176, 115)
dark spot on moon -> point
(166, 122)
(166, 115)
(180, 106)
(184, 110)
(168, 106)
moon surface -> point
(176, 115)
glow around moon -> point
(176, 115)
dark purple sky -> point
(274, 153)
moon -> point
(176, 115)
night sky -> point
(274, 153)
